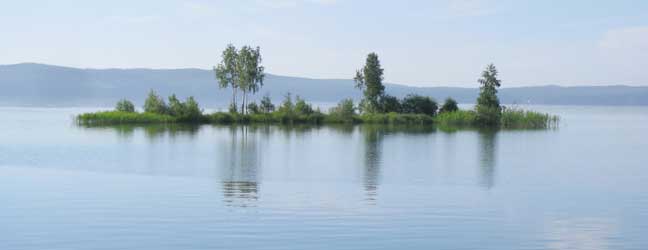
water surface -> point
(581, 186)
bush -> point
(390, 104)
(266, 105)
(287, 106)
(176, 108)
(303, 108)
(154, 104)
(488, 116)
(343, 112)
(450, 105)
(416, 104)
(253, 108)
(124, 105)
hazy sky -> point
(423, 43)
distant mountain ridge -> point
(31, 84)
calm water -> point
(582, 186)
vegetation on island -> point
(241, 71)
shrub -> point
(450, 105)
(154, 104)
(416, 104)
(124, 105)
(266, 105)
(287, 106)
(303, 108)
(253, 108)
(343, 112)
(176, 108)
(488, 116)
(390, 104)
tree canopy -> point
(240, 70)
(369, 79)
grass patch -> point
(121, 117)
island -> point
(241, 71)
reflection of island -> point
(487, 151)
(240, 167)
(152, 131)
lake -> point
(580, 186)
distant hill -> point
(31, 84)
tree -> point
(155, 104)
(416, 104)
(488, 105)
(266, 104)
(250, 71)
(124, 105)
(450, 105)
(227, 73)
(369, 79)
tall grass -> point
(459, 118)
(523, 119)
(121, 117)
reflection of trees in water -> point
(487, 150)
(152, 132)
(373, 137)
(241, 166)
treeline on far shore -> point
(242, 72)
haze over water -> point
(581, 186)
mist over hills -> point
(31, 84)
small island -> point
(242, 72)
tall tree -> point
(227, 73)
(369, 79)
(250, 71)
(488, 105)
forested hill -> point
(31, 84)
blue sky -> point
(421, 43)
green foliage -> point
(394, 118)
(523, 119)
(344, 112)
(416, 104)
(459, 118)
(124, 105)
(488, 106)
(154, 104)
(240, 70)
(450, 105)
(253, 108)
(369, 79)
(185, 111)
(119, 117)
(389, 104)
(303, 108)
(226, 71)
(287, 106)
(266, 105)
(176, 108)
